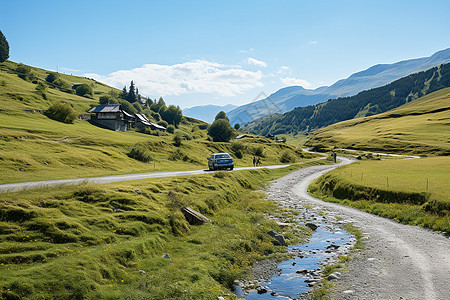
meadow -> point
(35, 147)
(418, 127)
(109, 241)
(412, 191)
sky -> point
(221, 52)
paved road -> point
(113, 178)
(399, 261)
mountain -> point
(418, 127)
(207, 112)
(289, 98)
(366, 103)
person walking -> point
(254, 161)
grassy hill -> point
(419, 127)
(35, 147)
(366, 103)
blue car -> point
(220, 161)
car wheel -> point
(231, 168)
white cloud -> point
(198, 76)
(246, 50)
(289, 81)
(311, 43)
(259, 63)
(284, 70)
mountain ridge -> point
(365, 103)
(372, 77)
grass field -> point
(90, 241)
(413, 191)
(419, 127)
(35, 147)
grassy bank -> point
(90, 241)
(411, 191)
(418, 127)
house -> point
(141, 122)
(111, 116)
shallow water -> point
(288, 284)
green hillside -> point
(35, 147)
(366, 103)
(419, 127)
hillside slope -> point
(207, 112)
(399, 92)
(291, 97)
(35, 147)
(419, 127)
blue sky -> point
(220, 52)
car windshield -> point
(222, 156)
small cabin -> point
(111, 116)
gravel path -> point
(398, 262)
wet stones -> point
(311, 226)
(279, 239)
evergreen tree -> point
(131, 97)
(4, 48)
(124, 93)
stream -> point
(298, 274)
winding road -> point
(398, 261)
(113, 178)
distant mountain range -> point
(288, 98)
(366, 103)
(207, 112)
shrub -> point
(163, 123)
(237, 149)
(170, 129)
(220, 131)
(83, 90)
(107, 99)
(259, 151)
(24, 72)
(141, 153)
(63, 85)
(177, 139)
(237, 126)
(287, 157)
(62, 112)
(52, 77)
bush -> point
(107, 99)
(177, 139)
(25, 73)
(141, 153)
(83, 90)
(52, 77)
(220, 131)
(259, 151)
(63, 85)
(62, 112)
(163, 123)
(237, 126)
(237, 149)
(170, 129)
(287, 157)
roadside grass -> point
(411, 191)
(90, 241)
(418, 127)
(35, 147)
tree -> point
(221, 115)
(52, 76)
(62, 112)
(131, 97)
(84, 89)
(124, 93)
(4, 48)
(172, 114)
(237, 126)
(220, 131)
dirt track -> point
(398, 262)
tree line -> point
(366, 103)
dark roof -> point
(104, 108)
